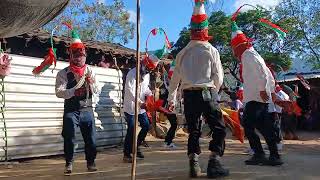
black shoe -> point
(127, 158)
(140, 155)
(256, 159)
(194, 166)
(92, 167)
(273, 161)
(145, 144)
(215, 169)
(68, 168)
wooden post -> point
(137, 94)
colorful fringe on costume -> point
(266, 23)
(49, 60)
(231, 118)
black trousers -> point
(172, 130)
(194, 107)
(277, 125)
(256, 116)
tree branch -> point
(304, 33)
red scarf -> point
(238, 51)
(77, 70)
(200, 35)
(240, 72)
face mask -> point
(78, 57)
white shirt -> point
(281, 95)
(130, 90)
(239, 104)
(62, 81)
(197, 65)
(256, 77)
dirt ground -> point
(301, 162)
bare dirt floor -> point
(302, 162)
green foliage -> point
(275, 52)
(181, 42)
(97, 21)
(303, 18)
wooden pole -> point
(137, 94)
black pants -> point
(256, 116)
(277, 125)
(172, 130)
(194, 107)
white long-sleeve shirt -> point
(130, 90)
(282, 96)
(197, 65)
(62, 81)
(256, 77)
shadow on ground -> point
(301, 160)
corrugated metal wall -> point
(33, 113)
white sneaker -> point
(173, 146)
(280, 146)
(170, 146)
(249, 151)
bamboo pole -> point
(136, 112)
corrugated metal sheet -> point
(294, 77)
(34, 114)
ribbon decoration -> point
(167, 44)
(51, 58)
(231, 118)
(268, 24)
(153, 105)
(263, 21)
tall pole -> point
(136, 111)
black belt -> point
(197, 88)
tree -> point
(265, 41)
(97, 21)
(304, 16)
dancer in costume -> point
(281, 96)
(76, 84)
(172, 117)
(259, 86)
(198, 68)
(149, 64)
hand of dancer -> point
(171, 106)
(264, 96)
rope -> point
(120, 96)
(2, 107)
(165, 80)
